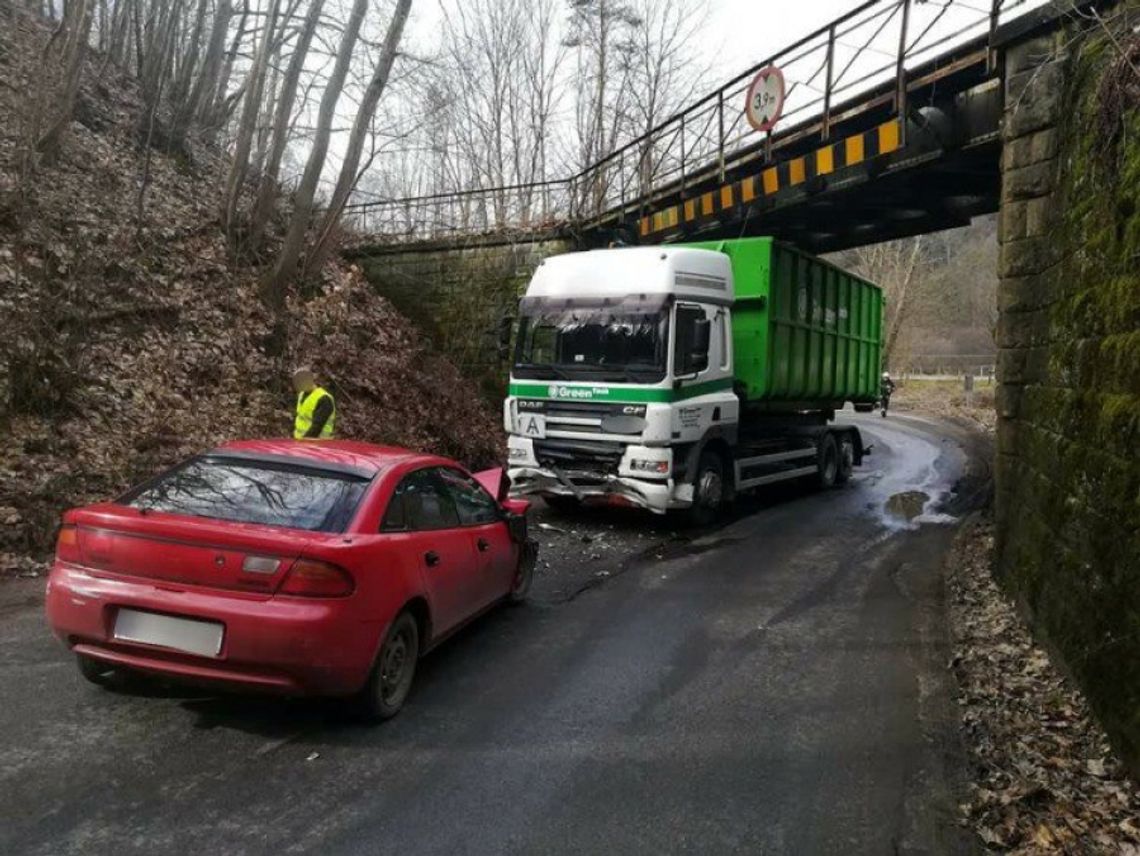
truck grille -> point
(579, 454)
(584, 417)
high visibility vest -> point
(306, 404)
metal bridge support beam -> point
(900, 72)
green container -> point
(804, 332)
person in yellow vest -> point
(316, 409)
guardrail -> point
(861, 52)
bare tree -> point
(268, 185)
(603, 34)
(360, 129)
(275, 285)
(255, 87)
(69, 40)
(896, 267)
(666, 72)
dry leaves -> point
(129, 347)
(1044, 776)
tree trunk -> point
(216, 105)
(348, 174)
(276, 284)
(267, 190)
(77, 21)
(180, 89)
(207, 80)
(253, 94)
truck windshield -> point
(621, 342)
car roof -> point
(336, 454)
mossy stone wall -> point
(461, 298)
(1068, 462)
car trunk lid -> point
(185, 551)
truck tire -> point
(846, 459)
(827, 462)
(708, 490)
(864, 408)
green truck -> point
(672, 377)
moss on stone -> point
(1069, 534)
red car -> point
(300, 567)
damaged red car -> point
(297, 567)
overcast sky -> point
(739, 34)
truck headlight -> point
(660, 467)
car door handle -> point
(431, 557)
(483, 545)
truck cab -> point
(623, 366)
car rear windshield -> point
(270, 493)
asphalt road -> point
(777, 685)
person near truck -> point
(886, 387)
(316, 409)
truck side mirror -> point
(506, 325)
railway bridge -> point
(891, 127)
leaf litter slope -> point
(129, 345)
(1045, 779)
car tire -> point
(827, 462)
(98, 672)
(391, 678)
(709, 490)
(524, 576)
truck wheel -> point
(846, 459)
(827, 462)
(708, 490)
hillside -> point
(131, 342)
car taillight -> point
(67, 544)
(312, 578)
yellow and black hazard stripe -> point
(881, 140)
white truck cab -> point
(623, 369)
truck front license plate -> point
(532, 425)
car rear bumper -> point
(286, 645)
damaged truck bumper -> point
(592, 486)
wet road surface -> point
(777, 685)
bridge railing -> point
(872, 49)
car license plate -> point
(178, 634)
(532, 425)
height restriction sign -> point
(765, 99)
